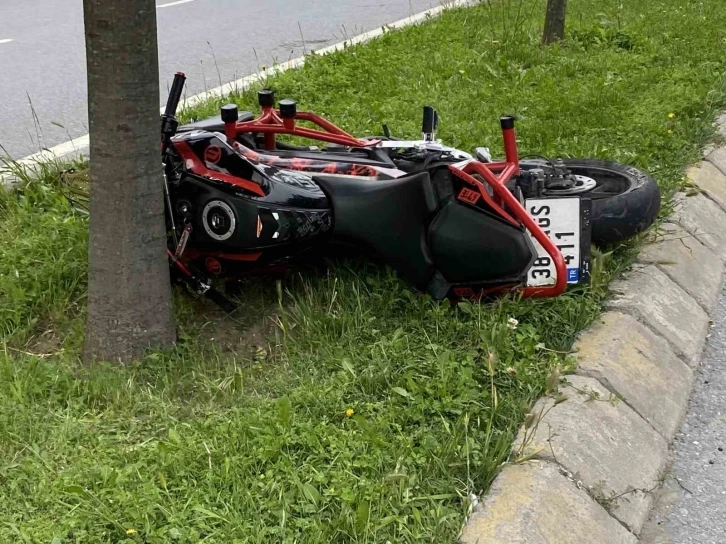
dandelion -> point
(131, 532)
(671, 115)
(349, 412)
(512, 323)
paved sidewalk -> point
(691, 507)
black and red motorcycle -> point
(242, 196)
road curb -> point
(599, 449)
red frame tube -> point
(510, 146)
(504, 200)
(496, 175)
(270, 123)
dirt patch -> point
(45, 342)
(245, 333)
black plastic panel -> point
(388, 218)
(470, 246)
(257, 225)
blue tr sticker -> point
(573, 275)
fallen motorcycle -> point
(242, 197)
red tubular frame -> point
(495, 174)
(271, 123)
(503, 198)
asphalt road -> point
(42, 52)
(691, 507)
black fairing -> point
(389, 218)
(293, 214)
(258, 225)
(283, 187)
(426, 237)
(471, 246)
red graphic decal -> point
(195, 165)
(467, 195)
(300, 164)
(358, 170)
(307, 165)
(212, 154)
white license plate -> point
(560, 219)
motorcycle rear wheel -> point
(625, 200)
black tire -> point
(625, 200)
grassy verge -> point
(363, 412)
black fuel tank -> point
(237, 205)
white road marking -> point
(5, 41)
(170, 4)
(79, 146)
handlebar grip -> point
(428, 120)
(172, 103)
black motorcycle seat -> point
(389, 218)
(214, 124)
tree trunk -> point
(129, 292)
(554, 29)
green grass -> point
(234, 438)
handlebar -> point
(430, 123)
(172, 103)
(428, 120)
(168, 120)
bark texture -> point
(129, 292)
(554, 29)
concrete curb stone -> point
(720, 125)
(717, 157)
(701, 217)
(709, 178)
(652, 297)
(677, 253)
(533, 503)
(643, 350)
(627, 357)
(610, 448)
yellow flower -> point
(671, 115)
(349, 412)
(131, 532)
